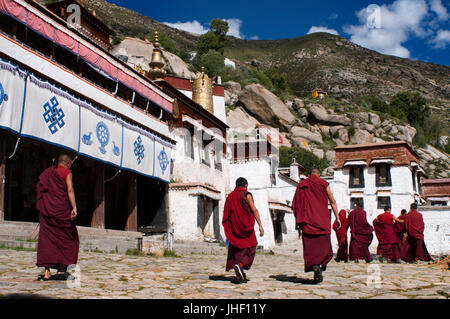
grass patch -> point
(27, 240)
(133, 252)
(17, 248)
(170, 253)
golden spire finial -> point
(157, 64)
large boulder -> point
(139, 52)
(232, 90)
(375, 119)
(238, 118)
(361, 137)
(266, 106)
(303, 133)
(321, 114)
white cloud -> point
(315, 29)
(255, 37)
(386, 28)
(197, 28)
(440, 10)
(234, 28)
(192, 27)
(442, 39)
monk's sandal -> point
(239, 273)
(317, 274)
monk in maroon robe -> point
(310, 205)
(388, 247)
(361, 235)
(341, 235)
(58, 243)
(239, 221)
(402, 236)
(414, 226)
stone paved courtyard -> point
(274, 275)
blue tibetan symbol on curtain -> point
(3, 96)
(102, 136)
(163, 160)
(139, 150)
(53, 115)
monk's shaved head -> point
(316, 171)
(64, 159)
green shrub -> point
(304, 157)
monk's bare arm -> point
(398, 220)
(256, 213)
(71, 193)
(333, 206)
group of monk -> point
(400, 240)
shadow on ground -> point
(231, 279)
(293, 279)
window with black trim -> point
(356, 202)
(356, 177)
(383, 175)
(383, 201)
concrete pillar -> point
(98, 216)
(131, 224)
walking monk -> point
(388, 247)
(341, 235)
(361, 234)
(58, 243)
(238, 222)
(414, 227)
(310, 205)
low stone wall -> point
(437, 228)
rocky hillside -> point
(321, 125)
(345, 70)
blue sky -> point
(414, 29)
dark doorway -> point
(151, 203)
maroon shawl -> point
(310, 205)
(58, 237)
(414, 224)
(238, 220)
(384, 229)
(359, 227)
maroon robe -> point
(414, 227)
(310, 205)
(58, 242)
(341, 235)
(361, 235)
(239, 225)
(402, 242)
(387, 238)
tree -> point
(219, 27)
(410, 106)
(215, 39)
(213, 62)
(304, 157)
(208, 41)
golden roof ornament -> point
(202, 91)
(157, 64)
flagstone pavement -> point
(275, 275)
